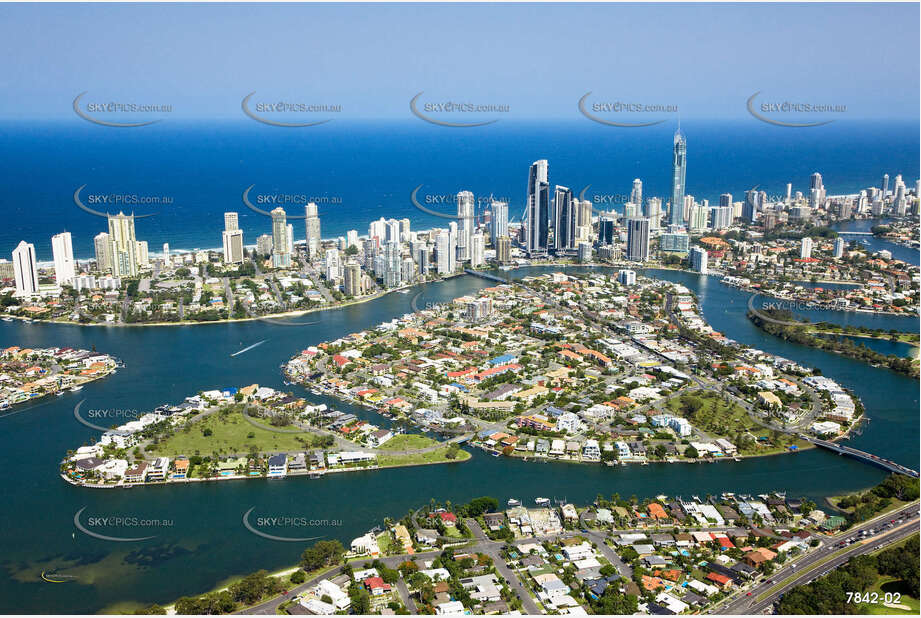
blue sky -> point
(537, 59)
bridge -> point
(855, 233)
(863, 456)
(487, 276)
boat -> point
(542, 501)
(514, 502)
(7, 319)
(76, 389)
(496, 453)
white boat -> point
(76, 389)
(542, 501)
(7, 319)
(514, 502)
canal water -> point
(200, 539)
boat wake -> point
(250, 347)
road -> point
(492, 549)
(802, 570)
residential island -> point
(28, 374)
(591, 368)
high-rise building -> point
(632, 210)
(232, 239)
(352, 279)
(679, 172)
(103, 252)
(377, 231)
(653, 212)
(312, 229)
(699, 260)
(839, 247)
(697, 216)
(233, 246)
(789, 196)
(674, 242)
(537, 232)
(726, 200)
(466, 225)
(351, 239)
(884, 187)
(264, 245)
(627, 277)
(816, 191)
(444, 253)
(606, 229)
(499, 224)
(143, 254)
(281, 250)
(25, 269)
(63, 250)
(636, 194)
(752, 205)
(805, 248)
(123, 245)
(721, 217)
(477, 250)
(564, 223)
(638, 239)
(503, 249)
(585, 252)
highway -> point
(802, 570)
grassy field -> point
(407, 442)
(727, 419)
(230, 433)
(436, 456)
(893, 587)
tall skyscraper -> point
(636, 194)
(63, 250)
(538, 209)
(103, 252)
(606, 226)
(699, 260)
(839, 247)
(444, 253)
(885, 185)
(679, 171)
(564, 225)
(25, 269)
(352, 279)
(477, 250)
(752, 205)
(312, 229)
(232, 239)
(653, 212)
(503, 249)
(123, 245)
(721, 217)
(638, 240)
(499, 224)
(351, 239)
(726, 199)
(805, 248)
(466, 224)
(816, 190)
(583, 219)
(281, 250)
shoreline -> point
(271, 316)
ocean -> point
(361, 171)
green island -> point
(784, 324)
